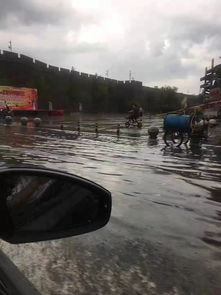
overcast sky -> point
(163, 42)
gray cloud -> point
(28, 12)
(194, 30)
(160, 40)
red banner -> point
(18, 98)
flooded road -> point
(164, 236)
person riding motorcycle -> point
(134, 113)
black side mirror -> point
(38, 204)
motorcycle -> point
(133, 122)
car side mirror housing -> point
(38, 204)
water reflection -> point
(216, 194)
(212, 238)
(152, 141)
(162, 194)
(196, 146)
(130, 165)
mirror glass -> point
(51, 205)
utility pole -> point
(10, 45)
(212, 63)
(107, 73)
(130, 76)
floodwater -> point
(164, 236)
